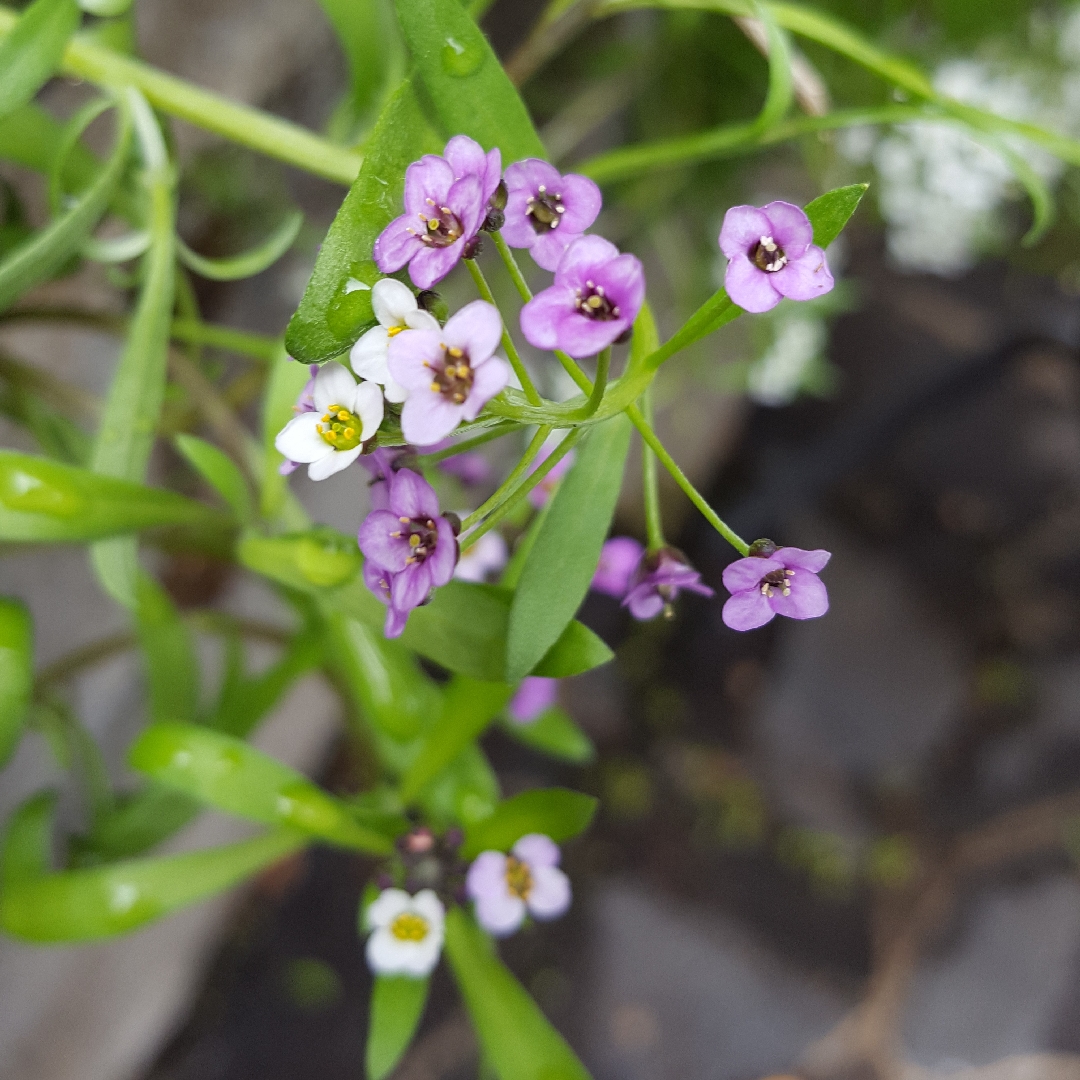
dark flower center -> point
(442, 227)
(776, 579)
(594, 304)
(455, 378)
(518, 877)
(768, 255)
(544, 210)
(422, 536)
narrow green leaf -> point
(577, 650)
(336, 307)
(135, 824)
(16, 673)
(172, 670)
(387, 683)
(230, 775)
(40, 257)
(562, 562)
(468, 707)
(397, 1004)
(781, 85)
(318, 559)
(466, 791)
(250, 263)
(553, 733)
(515, 1036)
(556, 812)
(219, 471)
(45, 501)
(31, 136)
(31, 52)
(87, 905)
(829, 213)
(467, 86)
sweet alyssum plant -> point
(374, 373)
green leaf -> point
(250, 263)
(467, 86)
(172, 670)
(829, 213)
(31, 52)
(16, 673)
(102, 902)
(230, 775)
(515, 1036)
(219, 471)
(781, 85)
(577, 650)
(135, 824)
(336, 307)
(556, 812)
(318, 559)
(553, 733)
(397, 1004)
(31, 136)
(564, 557)
(468, 707)
(384, 678)
(46, 252)
(466, 791)
(44, 501)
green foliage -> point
(220, 471)
(250, 263)
(829, 213)
(397, 1004)
(230, 775)
(172, 670)
(562, 561)
(31, 53)
(16, 673)
(554, 733)
(556, 812)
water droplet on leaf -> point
(34, 490)
(461, 60)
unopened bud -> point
(762, 549)
(498, 197)
(494, 221)
(430, 301)
(453, 520)
(473, 247)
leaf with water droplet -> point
(461, 60)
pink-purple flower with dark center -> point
(619, 558)
(409, 548)
(595, 299)
(304, 403)
(657, 582)
(528, 881)
(535, 695)
(774, 581)
(771, 255)
(545, 211)
(443, 212)
(467, 158)
(450, 374)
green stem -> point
(516, 473)
(710, 515)
(508, 344)
(523, 489)
(596, 395)
(573, 369)
(259, 347)
(650, 486)
(516, 275)
(422, 461)
(277, 138)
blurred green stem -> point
(649, 482)
(507, 485)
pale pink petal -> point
(530, 174)
(808, 599)
(746, 610)
(743, 228)
(412, 496)
(488, 379)
(411, 587)
(429, 178)
(397, 244)
(476, 329)
(431, 264)
(550, 895)
(536, 849)
(427, 416)
(411, 356)
(750, 287)
(581, 258)
(791, 228)
(540, 316)
(549, 247)
(486, 875)
(813, 561)
(747, 573)
(500, 913)
(582, 200)
(443, 559)
(804, 278)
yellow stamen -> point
(409, 926)
(393, 331)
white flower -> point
(407, 933)
(487, 556)
(396, 309)
(332, 437)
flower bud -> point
(455, 521)
(494, 221)
(498, 197)
(473, 247)
(431, 302)
(762, 549)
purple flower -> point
(619, 558)
(467, 158)
(770, 255)
(657, 583)
(408, 548)
(596, 297)
(444, 210)
(450, 374)
(543, 491)
(534, 696)
(528, 881)
(779, 581)
(304, 403)
(547, 212)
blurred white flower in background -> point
(779, 373)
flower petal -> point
(369, 407)
(534, 695)
(476, 329)
(751, 288)
(429, 178)
(808, 600)
(392, 301)
(431, 264)
(582, 200)
(619, 558)
(644, 602)
(386, 907)
(581, 336)
(530, 174)
(334, 462)
(747, 573)
(377, 580)
(623, 280)
(465, 156)
(487, 875)
(488, 380)
(334, 385)
(517, 229)
(411, 587)
(428, 904)
(549, 247)
(421, 320)
(397, 244)
(581, 259)
(794, 557)
(743, 228)
(427, 416)
(746, 610)
(466, 200)
(421, 957)
(791, 228)
(368, 356)
(550, 895)
(412, 496)
(379, 546)
(299, 441)
(500, 914)
(412, 355)
(442, 561)
(804, 278)
(536, 849)
(395, 622)
(542, 316)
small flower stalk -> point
(528, 881)
(657, 582)
(774, 581)
(406, 933)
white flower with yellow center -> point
(332, 437)
(407, 933)
(396, 309)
